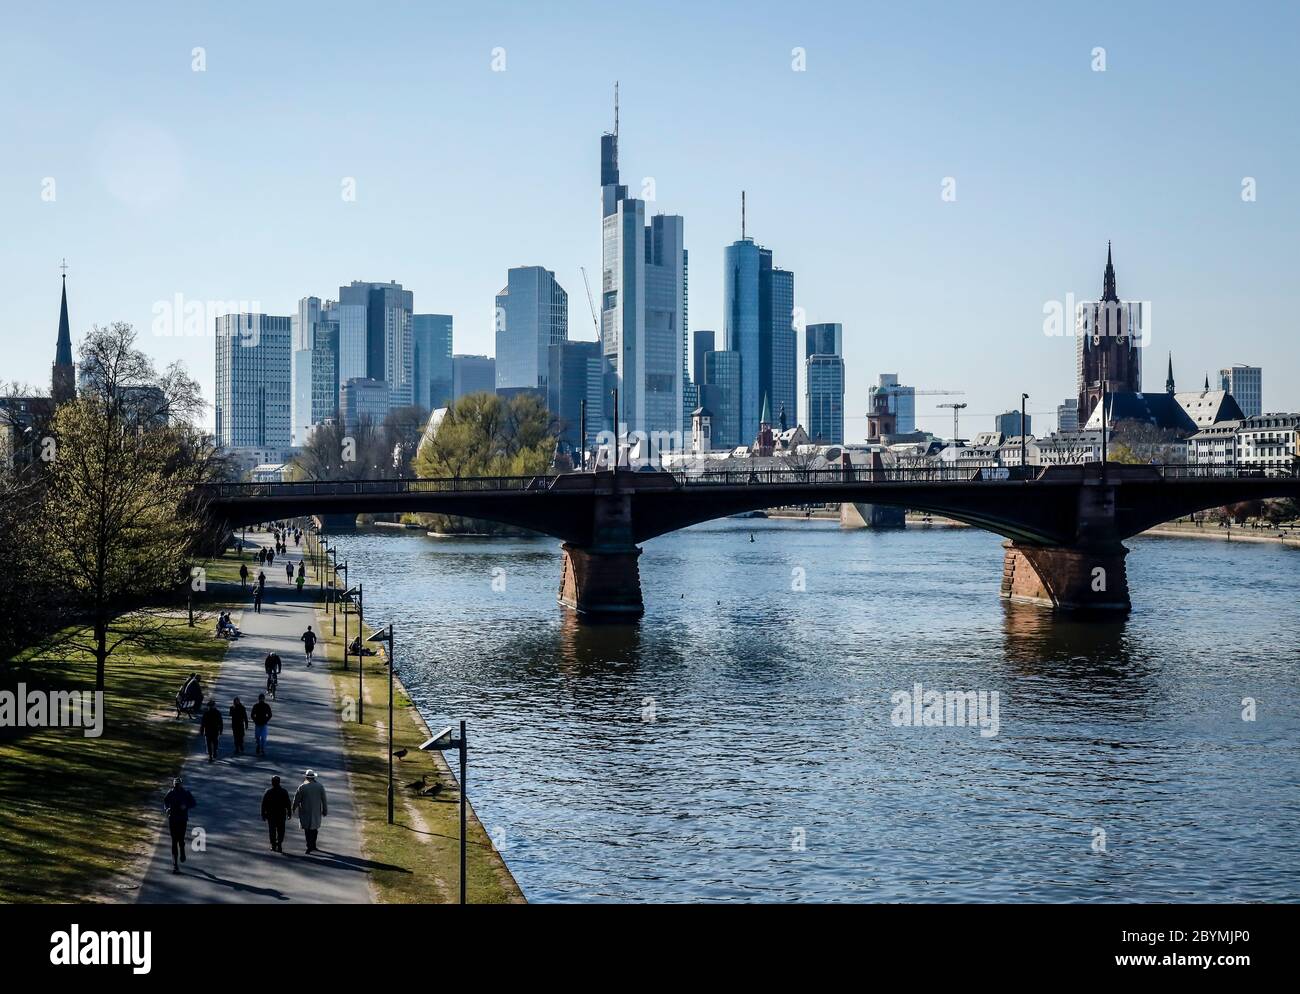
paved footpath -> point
(238, 865)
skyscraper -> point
(315, 377)
(472, 374)
(432, 364)
(1245, 383)
(390, 353)
(720, 396)
(63, 376)
(1108, 339)
(575, 373)
(253, 388)
(532, 314)
(824, 372)
(1067, 415)
(642, 304)
(704, 343)
(758, 324)
(363, 399)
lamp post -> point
(1024, 459)
(361, 666)
(441, 742)
(338, 594)
(387, 636)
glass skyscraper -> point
(720, 396)
(642, 304)
(432, 360)
(1245, 383)
(758, 324)
(532, 314)
(254, 381)
(824, 372)
(575, 373)
(315, 371)
(390, 352)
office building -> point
(574, 376)
(253, 381)
(1067, 415)
(824, 378)
(315, 369)
(704, 343)
(720, 396)
(431, 334)
(390, 350)
(1245, 383)
(758, 324)
(643, 318)
(532, 314)
(472, 374)
(363, 400)
(1008, 424)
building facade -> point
(431, 335)
(758, 325)
(254, 381)
(1246, 385)
(390, 349)
(1109, 335)
(472, 374)
(575, 377)
(720, 396)
(824, 379)
(1009, 423)
(364, 399)
(643, 321)
(1067, 415)
(532, 314)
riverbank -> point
(80, 815)
(1237, 533)
(416, 860)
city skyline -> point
(910, 280)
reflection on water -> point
(737, 744)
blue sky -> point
(225, 185)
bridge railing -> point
(349, 488)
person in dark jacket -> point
(275, 810)
(238, 722)
(177, 803)
(243, 576)
(212, 726)
(261, 717)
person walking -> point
(243, 576)
(257, 600)
(310, 805)
(212, 726)
(261, 580)
(275, 810)
(270, 557)
(261, 718)
(238, 722)
(309, 643)
(288, 572)
(177, 802)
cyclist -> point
(273, 668)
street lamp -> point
(337, 596)
(361, 666)
(441, 742)
(387, 636)
(1024, 461)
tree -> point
(121, 517)
(483, 435)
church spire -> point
(1169, 379)
(1108, 291)
(63, 377)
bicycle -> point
(272, 684)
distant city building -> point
(253, 381)
(432, 360)
(575, 374)
(1009, 423)
(1245, 383)
(643, 319)
(390, 349)
(896, 402)
(1109, 335)
(532, 314)
(1067, 415)
(758, 325)
(315, 369)
(472, 374)
(824, 378)
(1270, 442)
(704, 342)
(720, 396)
(364, 399)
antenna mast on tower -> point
(742, 215)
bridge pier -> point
(1067, 578)
(602, 583)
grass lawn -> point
(78, 814)
(424, 839)
(225, 567)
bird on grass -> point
(418, 785)
(400, 753)
(432, 790)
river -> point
(742, 742)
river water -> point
(742, 742)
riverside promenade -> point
(236, 864)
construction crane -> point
(590, 303)
(956, 409)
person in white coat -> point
(310, 806)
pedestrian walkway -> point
(238, 865)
